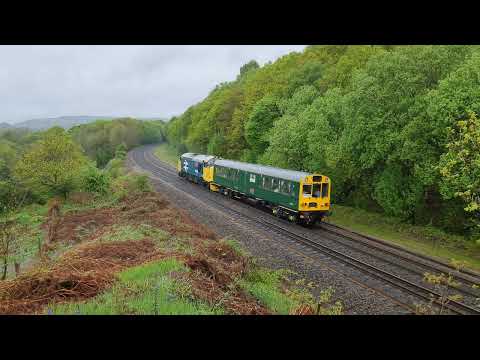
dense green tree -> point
(460, 165)
(250, 66)
(259, 122)
(101, 139)
(288, 140)
(52, 164)
(373, 118)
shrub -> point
(121, 151)
(115, 168)
(95, 180)
(141, 183)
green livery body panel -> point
(259, 186)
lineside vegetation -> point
(394, 127)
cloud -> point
(144, 81)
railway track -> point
(425, 262)
(365, 263)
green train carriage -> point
(298, 196)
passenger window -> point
(316, 190)
(275, 185)
(307, 190)
(324, 190)
(252, 178)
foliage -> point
(443, 285)
(141, 183)
(167, 153)
(104, 140)
(52, 164)
(374, 119)
(115, 167)
(261, 119)
(460, 165)
(131, 183)
(95, 180)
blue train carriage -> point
(295, 195)
(191, 166)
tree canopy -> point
(373, 118)
(51, 164)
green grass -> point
(167, 153)
(148, 289)
(265, 285)
(97, 203)
(129, 232)
(425, 240)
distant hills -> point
(63, 121)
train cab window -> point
(307, 190)
(252, 178)
(324, 190)
(316, 190)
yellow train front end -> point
(314, 198)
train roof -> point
(197, 157)
(291, 175)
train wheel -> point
(292, 218)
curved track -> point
(397, 271)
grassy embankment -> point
(132, 252)
(167, 153)
(425, 240)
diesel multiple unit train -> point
(298, 196)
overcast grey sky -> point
(143, 81)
